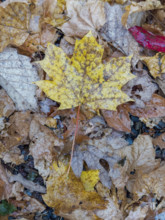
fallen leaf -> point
(139, 213)
(150, 182)
(67, 194)
(6, 186)
(92, 156)
(117, 35)
(54, 12)
(120, 119)
(14, 24)
(140, 159)
(89, 179)
(111, 212)
(156, 64)
(140, 89)
(43, 146)
(84, 16)
(18, 130)
(38, 41)
(67, 87)
(6, 104)
(159, 141)
(16, 77)
(139, 7)
(26, 25)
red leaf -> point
(148, 39)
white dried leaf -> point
(16, 76)
(114, 32)
(92, 155)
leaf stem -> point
(74, 139)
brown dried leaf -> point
(140, 159)
(85, 16)
(119, 119)
(14, 22)
(44, 146)
(18, 131)
(159, 141)
(5, 186)
(150, 182)
(6, 104)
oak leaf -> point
(83, 79)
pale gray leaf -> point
(16, 76)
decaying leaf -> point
(83, 79)
(140, 89)
(28, 24)
(120, 119)
(150, 182)
(14, 22)
(117, 35)
(54, 12)
(156, 64)
(140, 159)
(18, 130)
(66, 193)
(84, 16)
(6, 104)
(93, 157)
(16, 77)
(139, 7)
(89, 179)
(42, 146)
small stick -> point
(74, 139)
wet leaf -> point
(81, 79)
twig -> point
(73, 143)
(27, 183)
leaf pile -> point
(82, 87)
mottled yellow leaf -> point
(54, 12)
(67, 193)
(14, 22)
(83, 79)
(156, 64)
(25, 25)
(89, 179)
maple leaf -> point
(67, 194)
(83, 79)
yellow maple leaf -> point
(89, 179)
(83, 79)
(156, 64)
(67, 193)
